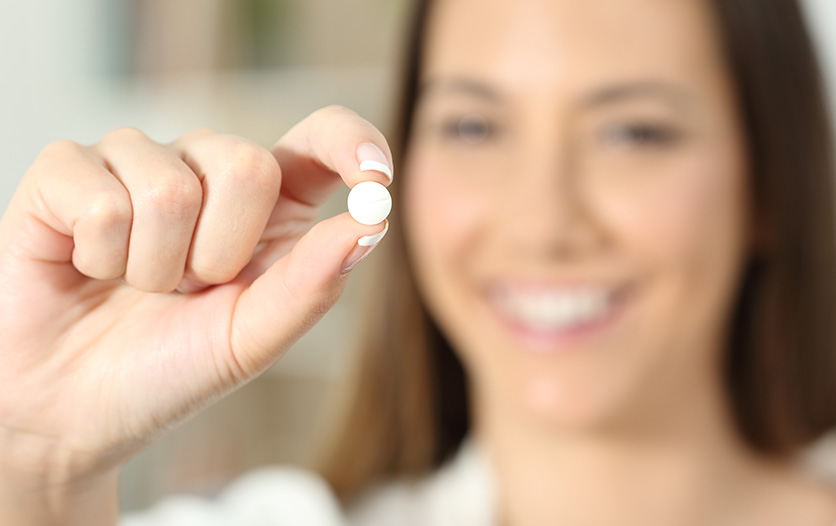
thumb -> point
(297, 290)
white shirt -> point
(461, 493)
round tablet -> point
(369, 203)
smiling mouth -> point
(556, 312)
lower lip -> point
(560, 340)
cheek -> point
(687, 227)
(447, 221)
(445, 217)
(688, 218)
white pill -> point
(369, 203)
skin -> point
(101, 354)
(562, 142)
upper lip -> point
(615, 290)
(533, 285)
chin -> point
(586, 391)
(565, 407)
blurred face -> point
(576, 201)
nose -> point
(548, 212)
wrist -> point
(91, 501)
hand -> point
(100, 353)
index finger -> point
(330, 146)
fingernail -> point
(370, 241)
(372, 158)
(364, 247)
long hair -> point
(407, 410)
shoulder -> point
(803, 500)
(286, 493)
(819, 460)
(460, 492)
(269, 495)
(813, 484)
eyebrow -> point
(461, 86)
(608, 94)
(616, 93)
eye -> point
(471, 129)
(640, 134)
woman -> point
(616, 216)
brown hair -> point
(408, 411)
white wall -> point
(54, 55)
(821, 15)
(55, 84)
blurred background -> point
(74, 70)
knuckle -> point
(335, 110)
(201, 131)
(175, 195)
(348, 122)
(109, 210)
(252, 165)
(55, 162)
(197, 133)
(124, 134)
(339, 119)
(62, 149)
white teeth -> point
(553, 310)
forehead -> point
(541, 43)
